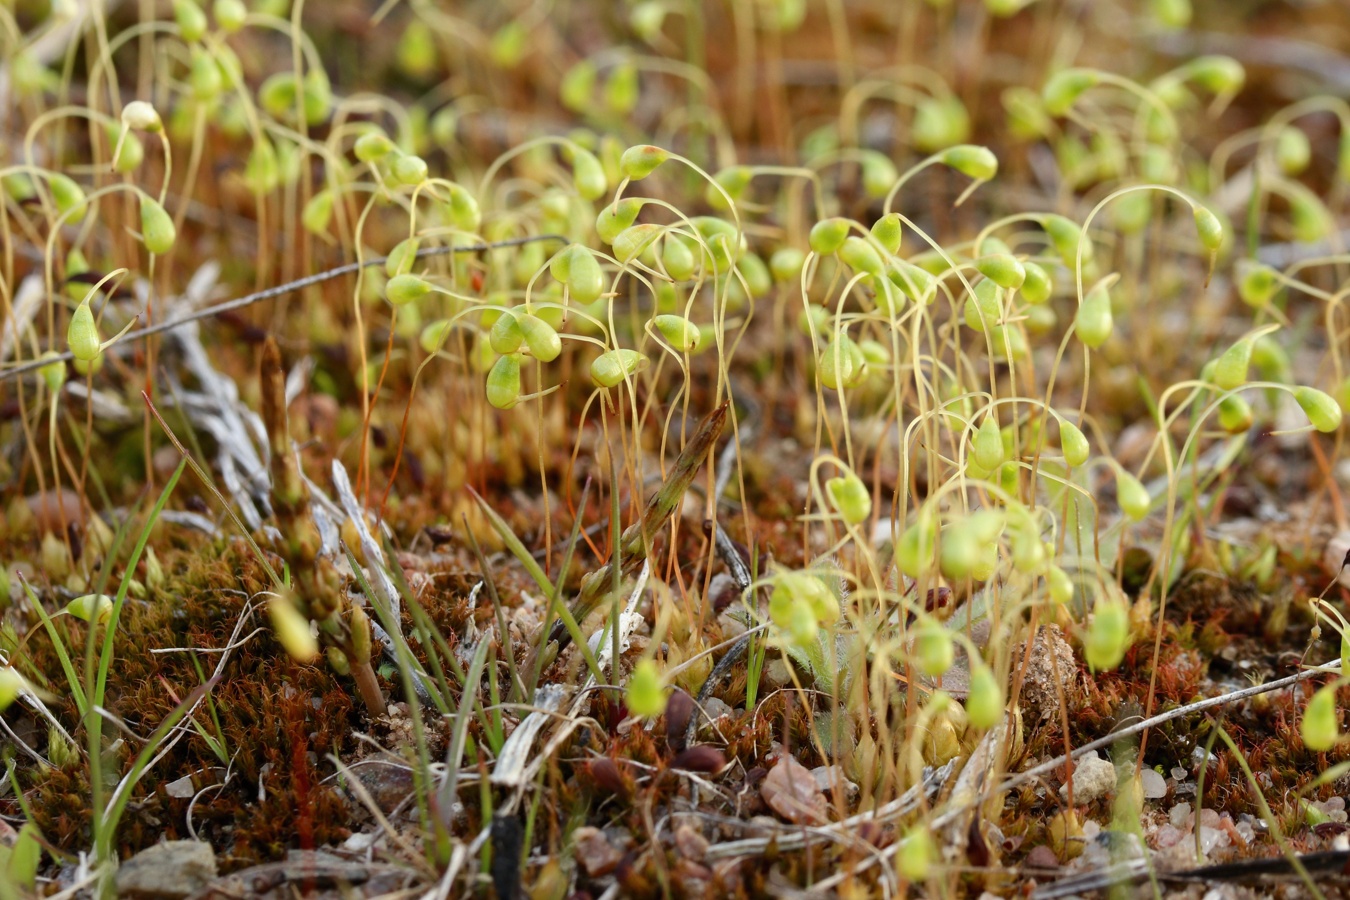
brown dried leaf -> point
(791, 791)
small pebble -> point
(1154, 785)
(1093, 778)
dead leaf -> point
(791, 791)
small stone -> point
(388, 785)
(1041, 857)
(1180, 815)
(690, 844)
(1154, 785)
(181, 788)
(1212, 838)
(358, 842)
(1167, 836)
(594, 852)
(1093, 778)
(167, 871)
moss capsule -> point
(1094, 321)
(503, 381)
(157, 229)
(611, 367)
(646, 692)
(1323, 412)
(828, 235)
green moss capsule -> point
(91, 608)
(204, 75)
(1064, 88)
(318, 212)
(1026, 116)
(916, 854)
(68, 197)
(841, 364)
(985, 699)
(1171, 13)
(912, 281)
(507, 46)
(408, 169)
(850, 498)
(960, 552)
(293, 630)
(611, 367)
(1094, 321)
(878, 174)
(1066, 236)
(1108, 634)
(1036, 284)
(632, 241)
(400, 260)
(506, 335)
(1230, 370)
(416, 54)
(677, 259)
(12, 684)
(1209, 228)
(1323, 412)
(939, 123)
(1059, 585)
(503, 381)
(407, 288)
(982, 310)
(588, 176)
(1293, 151)
(971, 160)
(641, 160)
(1132, 496)
(620, 93)
(230, 15)
(828, 235)
(585, 279)
(577, 90)
(786, 264)
(987, 445)
(1319, 728)
(933, 651)
(191, 20)
(157, 229)
(1235, 414)
(914, 552)
(130, 151)
(861, 256)
(887, 232)
(1002, 269)
(646, 692)
(615, 218)
(733, 182)
(53, 374)
(1073, 443)
(373, 146)
(1257, 282)
(82, 334)
(682, 334)
(541, 339)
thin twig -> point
(1199, 706)
(269, 293)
